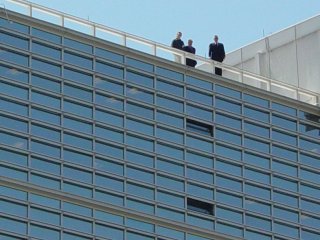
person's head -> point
(179, 35)
(215, 38)
(190, 42)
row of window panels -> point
(41, 216)
(146, 112)
(149, 144)
(85, 220)
(275, 179)
(167, 73)
(40, 205)
(135, 141)
(164, 133)
(169, 183)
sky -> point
(237, 22)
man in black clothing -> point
(179, 44)
(216, 53)
(190, 49)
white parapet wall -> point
(291, 56)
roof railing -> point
(160, 50)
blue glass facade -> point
(86, 121)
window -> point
(198, 127)
(228, 121)
(140, 191)
(256, 114)
(46, 50)
(170, 88)
(140, 79)
(199, 206)
(78, 76)
(46, 36)
(140, 95)
(228, 214)
(78, 60)
(78, 45)
(199, 83)
(228, 105)
(140, 65)
(201, 113)
(108, 85)
(256, 100)
(170, 103)
(170, 74)
(170, 199)
(110, 70)
(199, 97)
(228, 92)
(109, 55)
(47, 67)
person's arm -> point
(173, 44)
(223, 52)
(210, 51)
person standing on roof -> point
(179, 44)
(217, 53)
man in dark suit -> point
(179, 44)
(190, 49)
(216, 53)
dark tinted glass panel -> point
(46, 50)
(309, 116)
(14, 57)
(140, 79)
(228, 92)
(109, 55)
(47, 67)
(140, 65)
(199, 206)
(170, 74)
(13, 73)
(78, 45)
(14, 26)
(77, 76)
(46, 36)
(14, 41)
(310, 130)
(199, 83)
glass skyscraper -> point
(99, 141)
